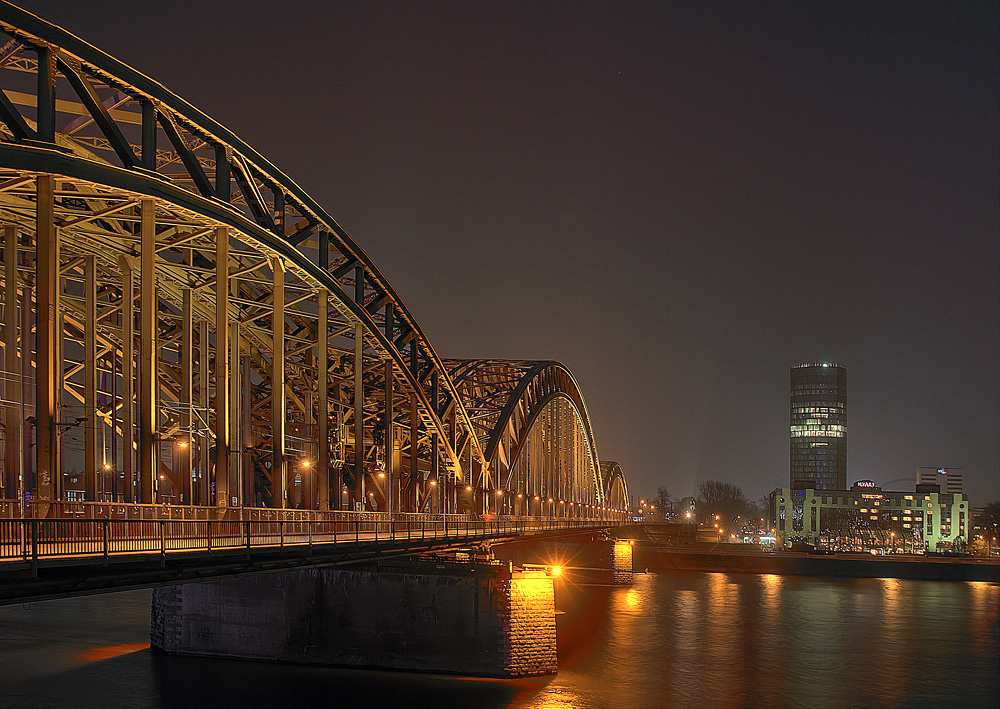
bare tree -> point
(664, 502)
(723, 499)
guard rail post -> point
(34, 548)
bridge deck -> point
(50, 558)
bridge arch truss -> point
(184, 323)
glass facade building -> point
(818, 426)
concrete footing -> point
(483, 620)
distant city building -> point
(818, 430)
(950, 479)
(867, 517)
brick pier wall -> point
(484, 622)
(621, 563)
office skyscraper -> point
(818, 430)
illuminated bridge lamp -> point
(468, 488)
(432, 482)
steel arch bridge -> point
(183, 323)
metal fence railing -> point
(32, 539)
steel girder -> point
(518, 408)
(615, 486)
(247, 295)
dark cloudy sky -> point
(678, 200)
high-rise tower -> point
(818, 431)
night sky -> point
(676, 200)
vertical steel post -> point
(323, 403)
(359, 415)
(415, 483)
(128, 379)
(148, 444)
(12, 388)
(204, 442)
(46, 310)
(92, 461)
(235, 428)
(187, 442)
(27, 474)
(436, 477)
(391, 499)
(279, 473)
(246, 433)
(221, 366)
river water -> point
(685, 639)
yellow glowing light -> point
(305, 464)
(556, 570)
(182, 444)
(519, 496)
(536, 497)
(468, 488)
(381, 475)
(499, 492)
(107, 467)
(433, 482)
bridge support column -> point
(187, 442)
(391, 498)
(236, 376)
(323, 405)
(279, 474)
(359, 410)
(484, 620)
(204, 496)
(221, 367)
(46, 337)
(92, 463)
(148, 443)
(12, 386)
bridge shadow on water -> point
(145, 678)
(94, 652)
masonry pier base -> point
(588, 558)
(481, 619)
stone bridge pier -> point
(470, 616)
(581, 558)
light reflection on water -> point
(690, 639)
(725, 640)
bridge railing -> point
(33, 539)
(62, 509)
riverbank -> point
(655, 558)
